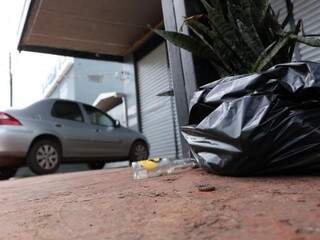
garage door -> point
(309, 12)
(158, 114)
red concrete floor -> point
(109, 204)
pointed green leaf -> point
(242, 12)
(310, 41)
(293, 42)
(202, 31)
(224, 32)
(168, 93)
(189, 43)
(259, 10)
(269, 54)
(289, 18)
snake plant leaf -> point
(259, 10)
(289, 18)
(225, 57)
(243, 13)
(246, 43)
(221, 71)
(168, 93)
(247, 37)
(269, 53)
(293, 45)
(189, 43)
(202, 31)
(240, 36)
(310, 41)
(224, 31)
(263, 55)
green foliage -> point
(240, 36)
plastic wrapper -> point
(258, 124)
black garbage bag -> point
(258, 124)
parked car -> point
(55, 131)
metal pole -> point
(180, 87)
(125, 108)
(10, 75)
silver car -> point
(55, 131)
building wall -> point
(95, 77)
(87, 79)
(65, 89)
(129, 83)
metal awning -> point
(109, 100)
(102, 29)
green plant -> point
(240, 36)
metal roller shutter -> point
(158, 115)
(280, 6)
(309, 12)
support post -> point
(181, 65)
(11, 81)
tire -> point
(7, 172)
(44, 157)
(138, 151)
(96, 165)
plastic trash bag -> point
(258, 124)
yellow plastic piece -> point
(150, 164)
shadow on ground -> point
(65, 168)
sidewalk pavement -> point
(109, 204)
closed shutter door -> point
(157, 113)
(309, 12)
(280, 6)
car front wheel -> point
(139, 151)
(44, 157)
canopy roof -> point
(104, 29)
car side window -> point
(67, 110)
(97, 117)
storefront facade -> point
(119, 31)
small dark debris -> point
(196, 224)
(307, 230)
(170, 180)
(276, 192)
(121, 196)
(158, 194)
(261, 215)
(206, 187)
(285, 221)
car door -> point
(69, 122)
(108, 141)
